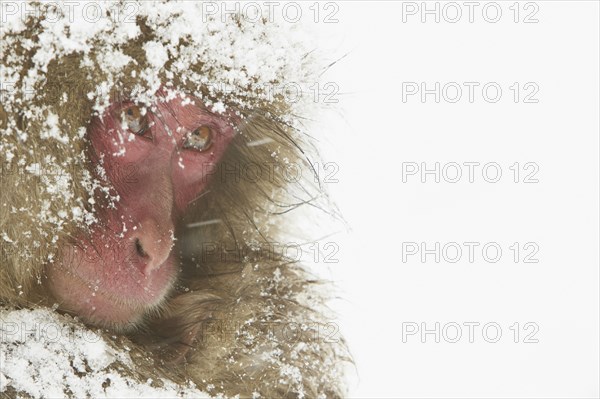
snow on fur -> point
(236, 61)
(46, 355)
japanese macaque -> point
(145, 203)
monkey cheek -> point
(106, 293)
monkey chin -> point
(108, 294)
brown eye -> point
(200, 139)
(135, 121)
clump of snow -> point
(43, 354)
(156, 54)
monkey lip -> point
(108, 293)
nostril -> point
(140, 249)
(153, 244)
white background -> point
(376, 132)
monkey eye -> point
(200, 139)
(136, 120)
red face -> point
(158, 161)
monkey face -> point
(157, 160)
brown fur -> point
(237, 299)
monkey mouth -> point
(105, 293)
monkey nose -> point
(152, 245)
